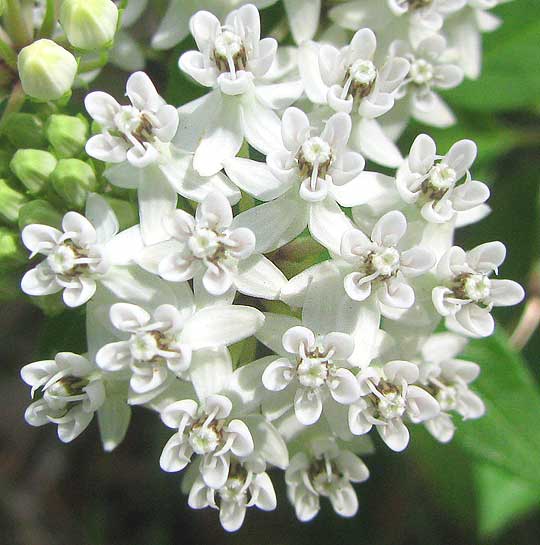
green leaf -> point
(502, 499)
(508, 436)
(510, 79)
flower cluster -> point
(190, 313)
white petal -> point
(327, 223)
(40, 238)
(307, 406)
(298, 338)
(461, 156)
(344, 501)
(476, 321)
(504, 293)
(421, 405)
(80, 230)
(278, 375)
(369, 139)
(215, 470)
(259, 277)
(287, 215)
(157, 199)
(395, 434)
(243, 443)
(389, 230)
(175, 455)
(210, 371)
(272, 331)
(221, 138)
(221, 325)
(422, 154)
(174, 413)
(142, 93)
(261, 126)
(303, 18)
(344, 387)
(487, 257)
(254, 178)
(114, 356)
(113, 418)
(80, 291)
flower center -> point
(67, 387)
(316, 150)
(204, 243)
(421, 72)
(143, 346)
(363, 72)
(477, 287)
(447, 398)
(229, 52)
(204, 438)
(391, 405)
(62, 260)
(312, 372)
(385, 261)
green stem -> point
(14, 104)
(7, 54)
(49, 21)
(16, 23)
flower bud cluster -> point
(179, 305)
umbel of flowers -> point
(189, 312)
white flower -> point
(379, 264)
(429, 70)
(329, 473)
(389, 396)
(303, 16)
(354, 82)
(72, 390)
(137, 139)
(463, 30)
(207, 431)
(468, 293)
(433, 182)
(232, 60)
(139, 133)
(246, 486)
(313, 368)
(350, 80)
(81, 255)
(305, 179)
(206, 246)
(447, 378)
(414, 19)
(160, 347)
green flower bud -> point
(67, 134)
(33, 168)
(39, 211)
(11, 252)
(5, 158)
(11, 201)
(46, 69)
(89, 24)
(25, 131)
(72, 180)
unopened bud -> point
(39, 211)
(33, 168)
(11, 252)
(11, 201)
(46, 69)
(89, 24)
(67, 134)
(25, 130)
(72, 180)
